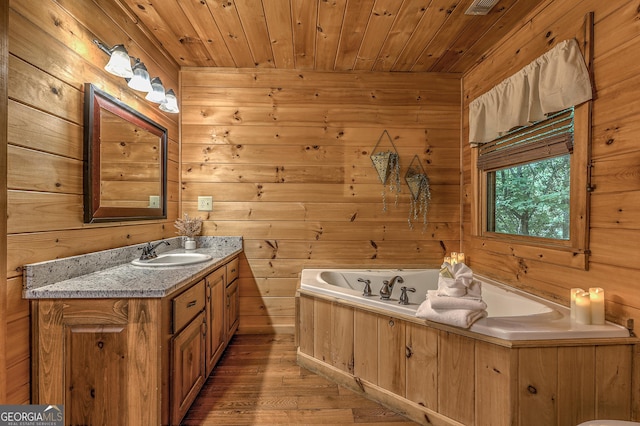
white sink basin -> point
(173, 259)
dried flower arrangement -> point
(188, 227)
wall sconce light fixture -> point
(171, 102)
(138, 77)
(140, 80)
(119, 64)
(156, 95)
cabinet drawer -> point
(232, 270)
(187, 306)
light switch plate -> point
(205, 204)
(154, 201)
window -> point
(528, 179)
(531, 186)
(532, 183)
(531, 199)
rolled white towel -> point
(449, 287)
(446, 302)
(463, 318)
(474, 291)
(457, 281)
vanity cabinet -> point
(133, 361)
(188, 360)
(215, 313)
(232, 308)
(188, 349)
(100, 358)
(197, 347)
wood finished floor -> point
(257, 382)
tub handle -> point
(367, 286)
(404, 299)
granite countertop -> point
(110, 274)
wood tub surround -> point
(442, 375)
(134, 360)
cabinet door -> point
(188, 356)
(215, 285)
(96, 370)
(391, 355)
(232, 308)
(421, 352)
(100, 358)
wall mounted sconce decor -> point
(418, 184)
(386, 161)
(138, 77)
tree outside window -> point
(531, 199)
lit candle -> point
(596, 296)
(583, 308)
(447, 259)
(461, 258)
(454, 257)
(574, 291)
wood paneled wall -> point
(4, 83)
(614, 262)
(51, 56)
(285, 155)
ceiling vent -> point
(480, 7)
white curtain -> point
(555, 81)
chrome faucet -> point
(404, 299)
(367, 286)
(387, 286)
(149, 251)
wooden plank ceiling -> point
(327, 35)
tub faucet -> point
(367, 286)
(387, 286)
(149, 251)
(404, 299)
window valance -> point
(555, 81)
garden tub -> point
(512, 313)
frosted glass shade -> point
(119, 64)
(157, 94)
(140, 80)
(171, 103)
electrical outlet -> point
(154, 201)
(205, 204)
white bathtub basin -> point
(173, 259)
(512, 313)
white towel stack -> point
(458, 299)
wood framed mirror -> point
(125, 161)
